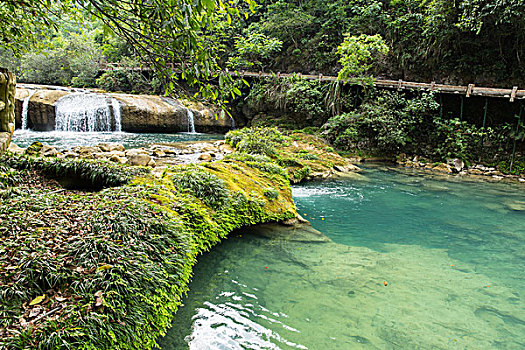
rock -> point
(41, 111)
(226, 149)
(209, 149)
(48, 151)
(116, 147)
(521, 180)
(100, 155)
(139, 113)
(146, 113)
(71, 155)
(138, 159)
(159, 153)
(299, 232)
(476, 172)
(86, 150)
(498, 177)
(13, 148)
(135, 151)
(34, 148)
(152, 163)
(205, 157)
(458, 164)
(445, 168)
(117, 153)
(104, 147)
(170, 151)
(516, 205)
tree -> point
(358, 53)
(253, 49)
(162, 32)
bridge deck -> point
(470, 90)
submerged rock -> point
(299, 232)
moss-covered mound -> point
(107, 269)
(304, 156)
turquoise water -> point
(69, 139)
(415, 262)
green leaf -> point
(37, 300)
(209, 4)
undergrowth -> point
(107, 269)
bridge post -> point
(461, 112)
(515, 138)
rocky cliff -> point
(140, 113)
(7, 107)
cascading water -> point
(25, 109)
(117, 114)
(87, 112)
(191, 121)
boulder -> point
(205, 157)
(445, 168)
(116, 147)
(35, 148)
(159, 153)
(48, 151)
(226, 149)
(104, 147)
(13, 148)
(458, 165)
(139, 159)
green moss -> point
(114, 264)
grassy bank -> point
(107, 269)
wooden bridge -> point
(512, 94)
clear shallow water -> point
(67, 139)
(451, 253)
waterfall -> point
(117, 114)
(86, 112)
(191, 121)
(25, 109)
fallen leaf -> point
(37, 300)
(104, 267)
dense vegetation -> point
(465, 41)
(107, 269)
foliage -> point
(94, 174)
(271, 193)
(252, 51)
(387, 122)
(72, 59)
(391, 123)
(112, 266)
(429, 40)
(261, 140)
(301, 102)
(202, 184)
(161, 33)
(357, 54)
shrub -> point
(202, 184)
(271, 193)
(257, 140)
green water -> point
(451, 253)
(70, 139)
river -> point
(415, 262)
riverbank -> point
(97, 255)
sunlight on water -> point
(416, 262)
(64, 139)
